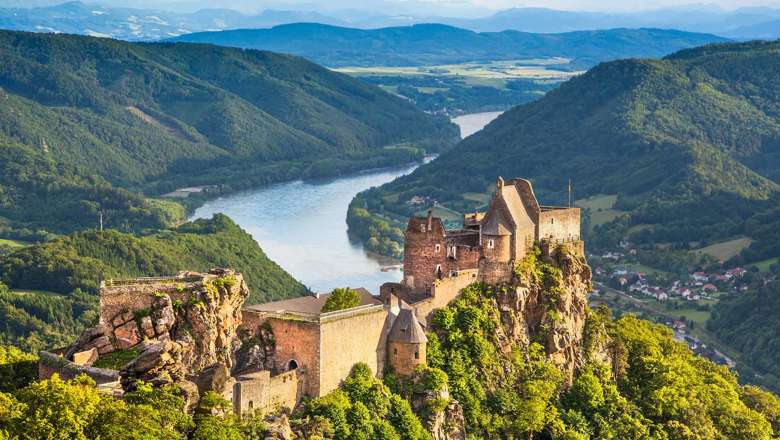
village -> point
(682, 302)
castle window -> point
(292, 365)
(422, 228)
(417, 355)
(552, 221)
(438, 248)
(395, 351)
(490, 244)
(438, 271)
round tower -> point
(406, 343)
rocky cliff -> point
(547, 304)
(179, 330)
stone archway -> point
(292, 365)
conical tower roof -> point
(407, 329)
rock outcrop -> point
(442, 416)
(547, 304)
(184, 329)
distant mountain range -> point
(143, 23)
(81, 117)
(740, 23)
(432, 44)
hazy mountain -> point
(695, 18)
(769, 30)
(142, 24)
(428, 44)
(155, 20)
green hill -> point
(54, 284)
(432, 44)
(83, 116)
(690, 144)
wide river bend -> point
(301, 225)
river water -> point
(301, 225)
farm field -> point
(724, 250)
(601, 208)
(538, 69)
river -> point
(301, 225)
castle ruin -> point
(194, 328)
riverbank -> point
(380, 230)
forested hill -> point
(690, 144)
(81, 116)
(55, 284)
(431, 44)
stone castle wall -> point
(348, 337)
(424, 249)
(265, 393)
(120, 296)
(404, 358)
(443, 292)
(560, 224)
(465, 257)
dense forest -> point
(748, 322)
(655, 389)
(48, 291)
(82, 117)
(432, 44)
(689, 144)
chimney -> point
(430, 219)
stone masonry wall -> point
(299, 341)
(466, 257)
(262, 392)
(444, 291)
(424, 249)
(404, 358)
(137, 294)
(560, 224)
(349, 337)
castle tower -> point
(406, 343)
(424, 252)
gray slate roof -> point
(407, 329)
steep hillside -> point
(156, 116)
(55, 284)
(433, 44)
(689, 144)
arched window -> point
(438, 271)
(438, 248)
(292, 365)
(490, 244)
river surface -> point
(302, 225)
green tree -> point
(340, 299)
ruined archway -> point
(292, 365)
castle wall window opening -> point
(490, 244)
